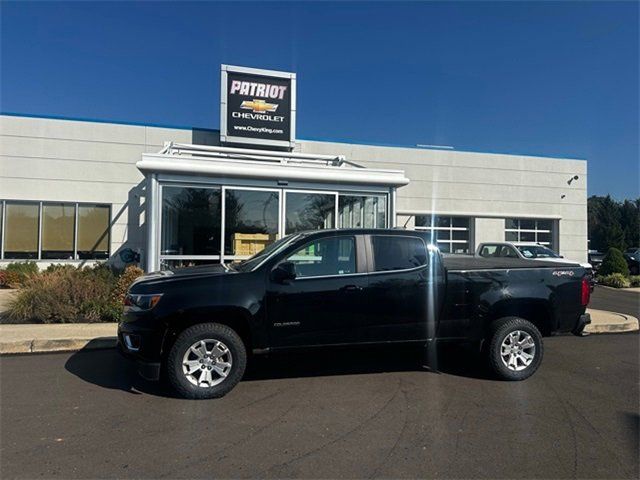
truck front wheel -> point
(515, 348)
(206, 361)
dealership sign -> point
(258, 107)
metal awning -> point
(213, 161)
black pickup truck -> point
(195, 326)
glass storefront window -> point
(362, 211)
(93, 231)
(191, 221)
(21, 230)
(309, 211)
(169, 264)
(58, 231)
(251, 221)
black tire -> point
(179, 381)
(502, 328)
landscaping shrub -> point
(615, 280)
(634, 280)
(70, 295)
(613, 262)
(16, 274)
(124, 282)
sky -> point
(528, 78)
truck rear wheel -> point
(515, 349)
(206, 361)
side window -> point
(488, 251)
(327, 256)
(508, 252)
(398, 253)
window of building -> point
(93, 232)
(191, 221)
(327, 256)
(398, 253)
(309, 211)
(58, 225)
(529, 230)
(362, 211)
(55, 231)
(450, 234)
(21, 230)
(251, 221)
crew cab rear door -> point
(323, 305)
(398, 296)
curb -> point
(618, 323)
(602, 322)
(56, 345)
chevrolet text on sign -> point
(258, 107)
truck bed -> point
(471, 262)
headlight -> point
(141, 302)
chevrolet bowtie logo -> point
(259, 106)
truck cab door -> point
(322, 304)
(401, 298)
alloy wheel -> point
(517, 350)
(207, 363)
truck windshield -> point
(537, 251)
(258, 258)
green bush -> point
(71, 295)
(615, 280)
(16, 274)
(634, 280)
(613, 262)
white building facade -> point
(78, 191)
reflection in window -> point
(21, 230)
(451, 234)
(251, 221)
(168, 264)
(328, 256)
(529, 230)
(309, 211)
(398, 253)
(190, 221)
(58, 231)
(93, 231)
(362, 211)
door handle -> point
(351, 288)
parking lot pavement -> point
(329, 413)
(616, 300)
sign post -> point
(258, 107)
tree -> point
(630, 220)
(612, 223)
(614, 262)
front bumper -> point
(583, 321)
(140, 340)
(147, 370)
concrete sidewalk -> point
(33, 338)
(70, 337)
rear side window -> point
(398, 253)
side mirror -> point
(284, 272)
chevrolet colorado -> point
(195, 327)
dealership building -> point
(74, 191)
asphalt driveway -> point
(615, 300)
(365, 413)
